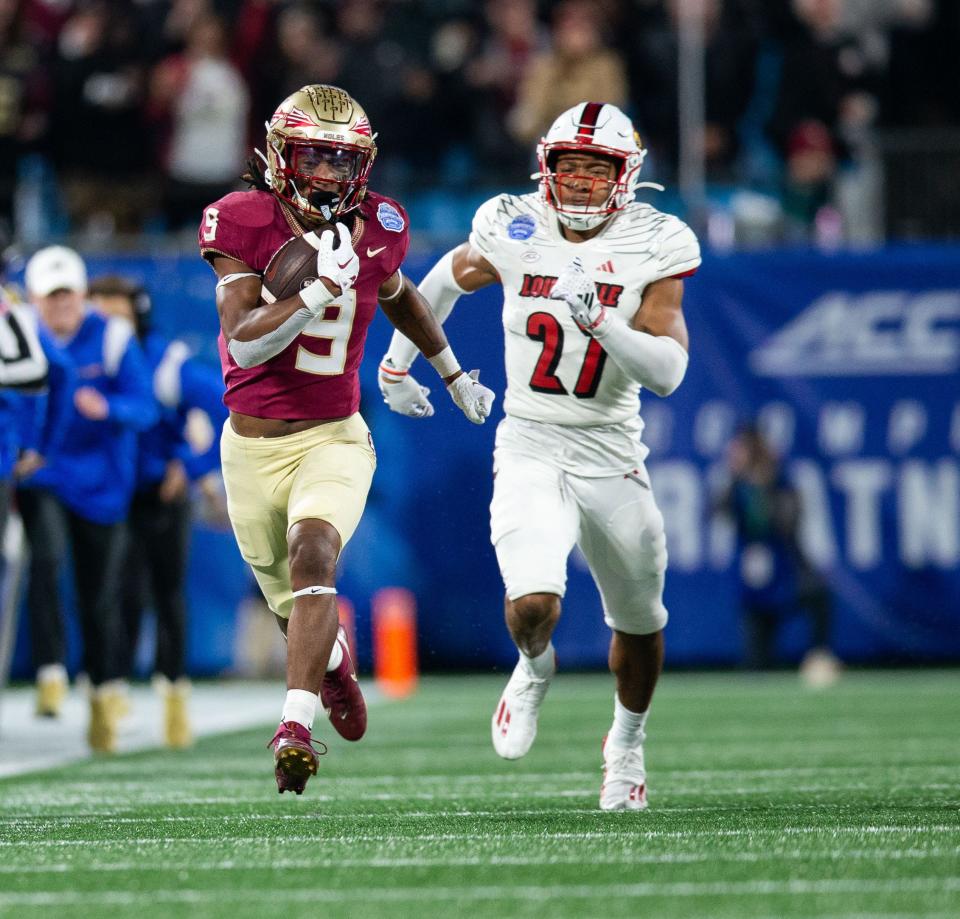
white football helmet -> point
(596, 128)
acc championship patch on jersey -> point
(522, 227)
(390, 218)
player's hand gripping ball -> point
(302, 260)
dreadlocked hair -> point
(254, 175)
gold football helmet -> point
(320, 148)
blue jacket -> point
(94, 470)
(180, 383)
(9, 424)
(38, 421)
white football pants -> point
(538, 514)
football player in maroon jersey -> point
(297, 456)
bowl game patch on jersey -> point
(390, 218)
(522, 227)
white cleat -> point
(514, 723)
(624, 785)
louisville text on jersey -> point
(540, 285)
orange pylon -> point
(395, 665)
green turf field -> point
(766, 800)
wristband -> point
(316, 295)
(391, 373)
(445, 363)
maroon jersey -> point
(316, 375)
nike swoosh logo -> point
(372, 252)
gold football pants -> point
(322, 473)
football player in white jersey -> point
(593, 284)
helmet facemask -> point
(321, 179)
(574, 195)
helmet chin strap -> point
(301, 201)
(267, 171)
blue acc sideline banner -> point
(850, 363)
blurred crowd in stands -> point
(124, 116)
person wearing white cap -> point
(81, 496)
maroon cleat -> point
(294, 757)
(341, 698)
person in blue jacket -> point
(23, 366)
(81, 495)
(25, 379)
(159, 521)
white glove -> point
(580, 294)
(402, 392)
(340, 266)
(471, 397)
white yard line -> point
(483, 861)
(51, 798)
(515, 777)
(106, 818)
(357, 837)
(495, 892)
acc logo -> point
(875, 333)
(522, 227)
(390, 218)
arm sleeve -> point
(132, 403)
(258, 351)
(656, 362)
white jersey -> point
(555, 372)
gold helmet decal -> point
(320, 148)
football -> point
(291, 268)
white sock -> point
(542, 666)
(336, 656)
(52, 672)
(301, 706)
(628, 727)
